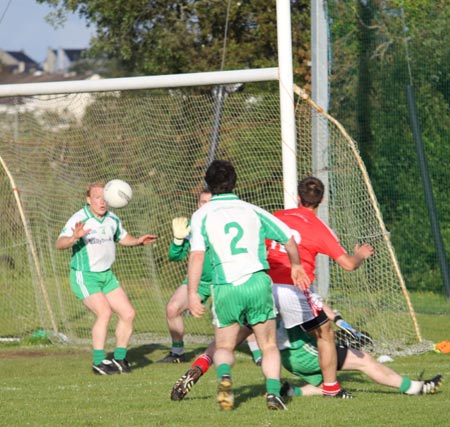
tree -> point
(380, 47)
(158, 37)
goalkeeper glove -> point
(346, 327)
(180, 229)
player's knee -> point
(173, 310)
(104, 314)
(129, 315)
(325, 332)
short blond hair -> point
(94, 185)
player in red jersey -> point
(302, 308)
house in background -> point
(18, 62)
(61, 60)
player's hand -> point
(180, 228)
(146, 239)
(364, 251)
(79, 231)
(299, 277)
(196, 308)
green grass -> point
(52, 386)
(430, 303)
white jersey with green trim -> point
(96, 251)
(234, 232)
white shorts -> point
(293, 305)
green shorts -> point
(85, 283)
(249, 303)
(204, 290)
(304, 363)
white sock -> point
(252, 345)
(178, 350)
(415, 388)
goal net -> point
(159, 141)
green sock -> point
(406, 384)
(297, 391)
(256, 355)
(273, 386)
(99, 356)
(120, 353)
(223, 369)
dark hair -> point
(221, 177)
(310, 191)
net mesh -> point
(52, 147)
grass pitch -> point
(54, 386)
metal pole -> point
(320, 95)
(423, 166)
(219, 94)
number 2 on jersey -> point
(235, 250)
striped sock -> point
(331, 389)
(203, 361)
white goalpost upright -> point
(287, 110)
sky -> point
(23, 27)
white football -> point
(117, 193)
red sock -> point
(331, 389)
(203, 361)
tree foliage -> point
(379, 48)
(158, 37)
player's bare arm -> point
(129, 240)
(195, 269)
(65, 242)
(352, 262)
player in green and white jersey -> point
(92, 234)
(234, 233)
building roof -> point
(21, 56)
(74, 54)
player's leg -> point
(260, 314)
(294, 309)
(87, 287)
(301, 360)
(255, 350)
(320, 328)
(175, 308)
(200, 366)
(98, 304)
(357, 360)
(121, 305)
(382, 374)
(225, 339)
(265, 333)
(266, 339)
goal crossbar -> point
(144, 82)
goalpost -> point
(52, 146)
